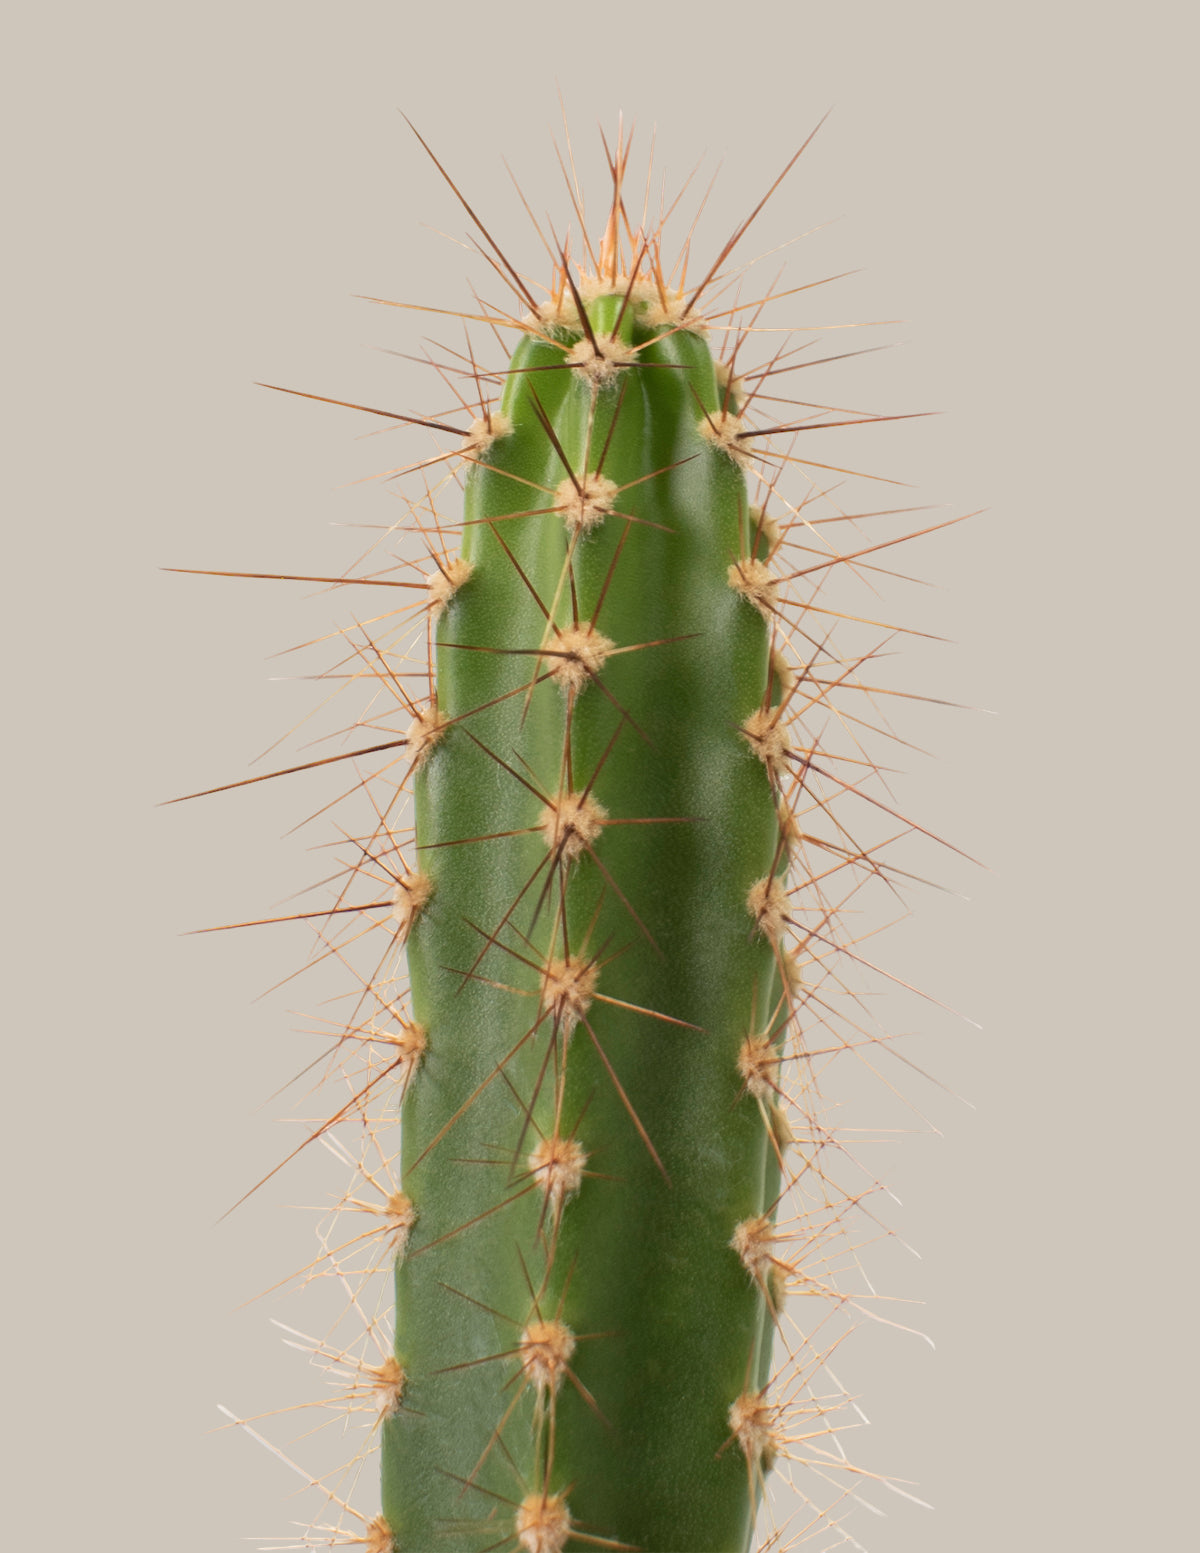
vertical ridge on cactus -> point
(622, 913)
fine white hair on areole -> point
(557, 1164)
(571, 823)
(445, 582)
(379, 1537)
(764, 734)
(752, 1420)
(567, 988)
(754, 581)
(578, 655)
(545, 1351)
(724, 431)
(411, 897)
(585, 501)
(767, 902)
(484, 432)
(543, 1523)
(424, 732)
(599, 358)
(387, 1383)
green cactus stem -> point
(605, 860)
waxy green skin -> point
(670, 1327)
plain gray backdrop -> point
(195, 195)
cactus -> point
(621, 909)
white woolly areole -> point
(543, 1523)
(763, 733)
(751, 1419)
(400, 1214)
(557, 1165)
(546, 1348)
(753, 580)
(379, 1537)
(766, 902)
(757, 1062)
(567, 987)
(408, 1043)
(598, 362)
(722, 431)
(754, 1241)
(483, 433)
(445, 583)
(577, 655)
(424, 733)
(571, 823)
(412, 894)
(585, 504)
(387, 1382)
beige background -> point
(195, 194)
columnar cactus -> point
(620, 910)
